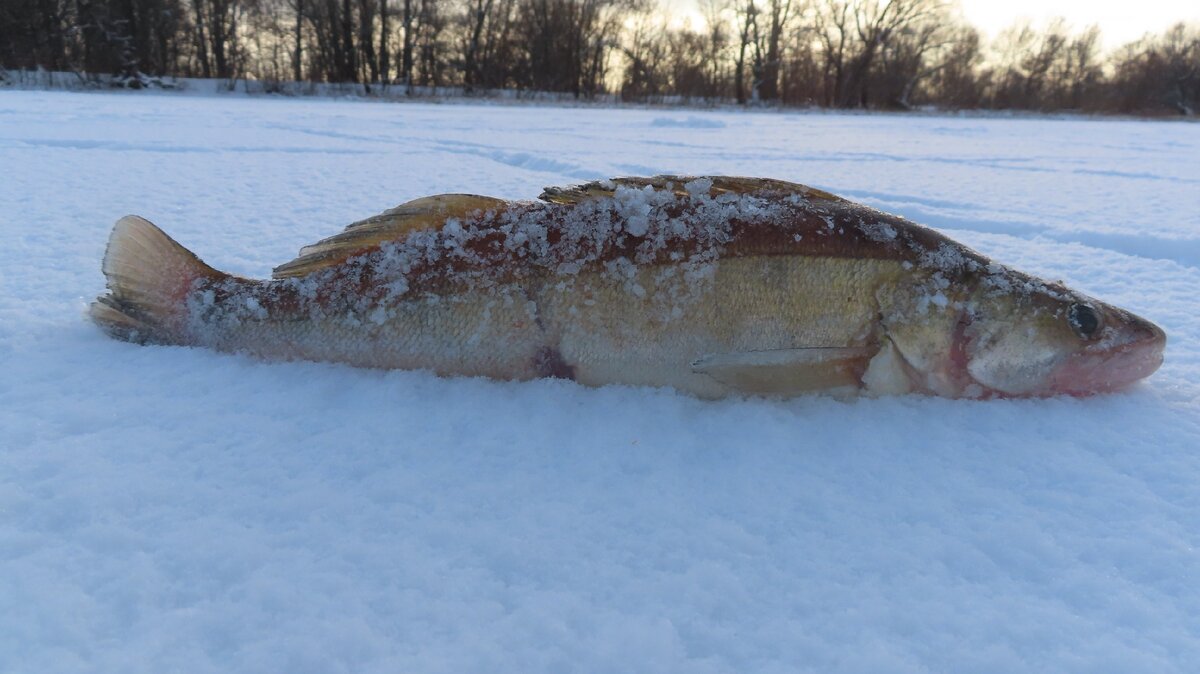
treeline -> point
(833, 53)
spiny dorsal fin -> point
(720, 185)
(416, 215)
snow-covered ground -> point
(178, 510)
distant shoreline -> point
(24, 80)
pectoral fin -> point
(787, 371)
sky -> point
(1119, 22)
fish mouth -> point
(1137, 353)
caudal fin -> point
(149, 276)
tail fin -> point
(149, 276)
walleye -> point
(711, 285)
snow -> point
(689, 122)
(173, 509)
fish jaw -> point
(1112, 365)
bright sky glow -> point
(1120, 21)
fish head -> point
(1032, 338)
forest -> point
(878, 54)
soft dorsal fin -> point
(416, 215)
(720, 185)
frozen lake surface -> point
(171, 509)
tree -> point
(954, 78)
(716, 45)
(833, 30)
(747, 16)
(876, 24)
(767, 76)
(478, 12)
(913, 53)
(838, 53)
(1158, 73)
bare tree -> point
(779, 13)
(910, 56)
(1158, 73)
(876, 23)
(406, 54)
(747, 18)
(955, 79)
(368, 70)
(429, 43)
(217, 26)
(298, 49)
(1079, 72)
(478, 12)
(845, 53)
(1025, 58)
(833, 23)
(385, 75)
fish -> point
(711, 285)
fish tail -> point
(149, 276)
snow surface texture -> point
(171, 509)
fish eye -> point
(1084, 320)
